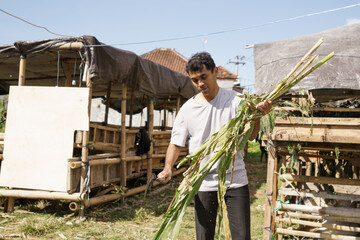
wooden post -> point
(165, 114)
(132, 107)
(355, 172)
(274, 190)
(85, 149)
(282, 197)
(68, 75)
(10, 202)
(178, 101)
(268, 193)
(108, 95)
(150, 131)
(22, 70)
(123, 135)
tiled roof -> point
(224, 74)
(169, 58)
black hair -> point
(197, 61)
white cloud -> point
(352, 20)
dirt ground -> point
(137, 218)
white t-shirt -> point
(197, 122)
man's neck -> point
(201, 98)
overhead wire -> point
(38, 26)
(231, 30)
(197, 35)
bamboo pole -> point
(150, 132)
(74, 206)
(132, 107)
(282, 196)
(274, 189)
(333, 211)
(178, 101)
(22, 70)
(324, 195)
(68, 74)
(322, 180)
(108, 161)
(111, 197)
(10, 202)
(107, 105)
(85, 149)
(35, 194)
(268, 194)
(355, 172)
(320, 217)
(316, 235)
(71, 45)
(165, 114)
(123, 135)
(320, 225)
(97, 156)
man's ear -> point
(216, 70)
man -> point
(197, 120)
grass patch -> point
(138, 218)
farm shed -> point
(51, 148)
(313, 181)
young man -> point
(197, 120)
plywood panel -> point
(39, 135)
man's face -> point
(205, 81)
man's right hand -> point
(165, 175)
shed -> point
(323, 198)
(64, 155)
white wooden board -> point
(39, 135)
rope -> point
(86, 185)
(281, 204)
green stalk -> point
(231, 138)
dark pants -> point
(238, 206)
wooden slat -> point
(319, 121)
(300, 133)
(319, 225)
(316, 235)
(332, 211)
(319, 217)
(322, 180)
(324, 195)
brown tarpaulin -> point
(106, 63)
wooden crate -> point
(306, 203)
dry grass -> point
(138, 219)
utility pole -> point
(237, 62)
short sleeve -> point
(179, 132)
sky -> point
(222, 28)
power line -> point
(241, 28)
(61, 35)
(198, 35)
